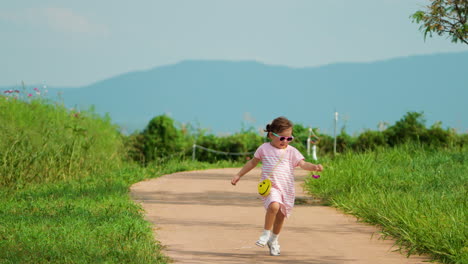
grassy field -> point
(44, 142)
(89, 220)
(64, 188)
(416, 195)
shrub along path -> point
(201, 218)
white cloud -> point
(58, 19)
(65, 20)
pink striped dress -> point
(282, 178)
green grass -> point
(83, 221)
(44, 142)
(416, 195)
(64, 188)
(89, 220)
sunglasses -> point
(281, 138)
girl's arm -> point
(247, 167)
(309, 166)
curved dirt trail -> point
(201, 218)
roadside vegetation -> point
(65, 177)
(416, 195)
(64, 187)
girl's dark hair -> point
(278, 125)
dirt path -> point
(201, 218)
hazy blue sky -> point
(75, 43)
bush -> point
(134, 145)
(438, 137)
(410, 128)
(462, 140)
(246, 142)
(301, 134)
(161, 139)
(344, 141)
(369, 140)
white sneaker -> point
(263, 240)
(274, 248)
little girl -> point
(278, 163)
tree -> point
(161, 138)
(445, 17)
(410, 128)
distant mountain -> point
(225, 96)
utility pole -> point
(334, 143)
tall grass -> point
(87, 220)
(43, 142)
(64, 188)
(416, 195)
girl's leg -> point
(271, 214)
(279, 220)
(273, 241)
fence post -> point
(334, 142)
(314, 152)
(193, 151)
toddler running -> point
(278, 163)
